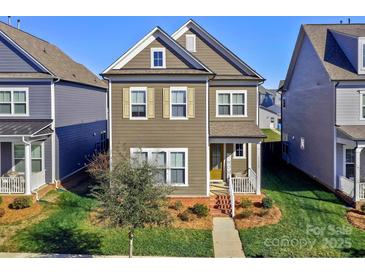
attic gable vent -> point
(191, 42)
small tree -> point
(129, 194)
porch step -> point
(220, 205)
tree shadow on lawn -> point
(354, 252)
(62, 239)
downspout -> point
(109, 118)
(336, 181)
(53, 137)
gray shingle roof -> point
(235, 129)
(24, 127)
(51, 57)
(330, 53)
(355, 132)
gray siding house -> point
(52, 113)
(270, 107)
(323, 107)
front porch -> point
(350, 159)
(22, 156)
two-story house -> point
(189, 104)
(52, 113)
(270, 108)
(324, 107)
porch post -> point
(258, 173)
(224, 162)
(249, 155)
(28, 168)
(357, 173)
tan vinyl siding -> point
(251, 101)
(254, 157)
(165, 133)
(238, 165)
(210, 57)
(143, 59)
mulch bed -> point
(259, 216)
(356, 218)
(15, 215)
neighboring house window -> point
(284, 102)
(362, 104)
(171, 163)
(178, 102)
(158, 59)
(350, 163)
(13, 101)
(191, 42)
(239, 151)
(272, 119)
(138, 102)
(231, 104)
(36, 158)
(363, 56)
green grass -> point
(68, 230)
(272, 136)
(313, 222)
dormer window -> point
(191, 42)
(158, 59)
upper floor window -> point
(178, 102)
(13, 101)
(138, 102)
(191, 42)
(231, 103)
(362, 105)
(158, 59)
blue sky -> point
(265, 43)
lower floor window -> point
(171, 164)
(240, 150)
(350, 163)
(36, 158)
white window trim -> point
(362, 93)
(13, 158)
(130, 102)
(168, 167)
(186, 103)
(231, 92)
(243, 150)
(344, 160)
(186, 42)
(163, 57)
(12, 89)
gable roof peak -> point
(148, 39)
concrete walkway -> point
(226, 241)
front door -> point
(216, 162)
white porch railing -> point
(231, 195)
(347, 186)
(12, 185)
(245, 184)
(362, 190)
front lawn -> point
(69, 229)
(272, 136)
(313, 221)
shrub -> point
(200, 210)
(21, 202)
(184, 216)
(362, 207)
(246, 203)
(247, 213)
(2, 212)
(263, 212)
(177, 205)
(267, 202)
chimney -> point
(9, 20)
(348, 20)
(18, 24)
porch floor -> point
(218, 188)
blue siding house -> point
(52, 113)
